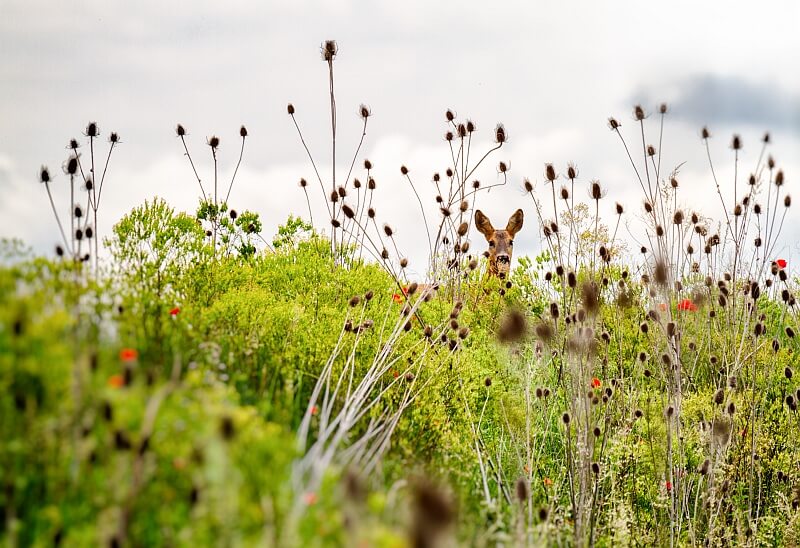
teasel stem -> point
(236, 170)
(58, 219)
(422, 210)
(194, 169)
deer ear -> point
(483, 224)
(515, 222)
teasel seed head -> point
(736, 143)
(289, 109)
(528, 186)
(550, 172)
(502, 167)
(705, 133)
(367, 165)
(523, 492)
(213, 142)
(500, 134)
(613, 124)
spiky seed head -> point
(565, 418)
(448, 136)
(334, 196)
(462, 130)
(736, 143)
(787, 201)
(662, 108)
(523, 491)
(596, 190)
(329, 50)
(335, 223)
(213, 142)
(651, 150)
(371, 184)
(500, 134)
(92, 130)
(354, 300)
(528, 185)
(487, 382)
(450, 115)
(550, 172)
(404, 170)
(502, 167)
(613, 124)
(44, 175)
(385, 254)
(367, 165)
(595, 468)
(388, 230)
(348, 211)
(364, 112)
(470, 126)
(705, 133)
(638, 113)
(719, 396)
(303, 183)
(572, 171)
(403, 262)
(290, 109)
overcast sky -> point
(550, 71)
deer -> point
(501, 242)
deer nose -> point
(504, 258)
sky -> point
(551, 71)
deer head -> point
(501, 242)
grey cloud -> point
(731, 101)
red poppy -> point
(687, 305)
(781, 263)
(314, 410)
(128, 354)
(668, 485)
(116, 381)
(174, 312)
(596, 382)
(398, 298)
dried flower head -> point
(329, 50)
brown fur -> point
(501, 242)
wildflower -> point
(547, 482)
(314, 409)
(398, 298)
(596, 382)
(781, 263)
(175, 311)
(687, 305)
(668, 485)
(116, 381)
(395, 374)
(128, 354)
(310, 499)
